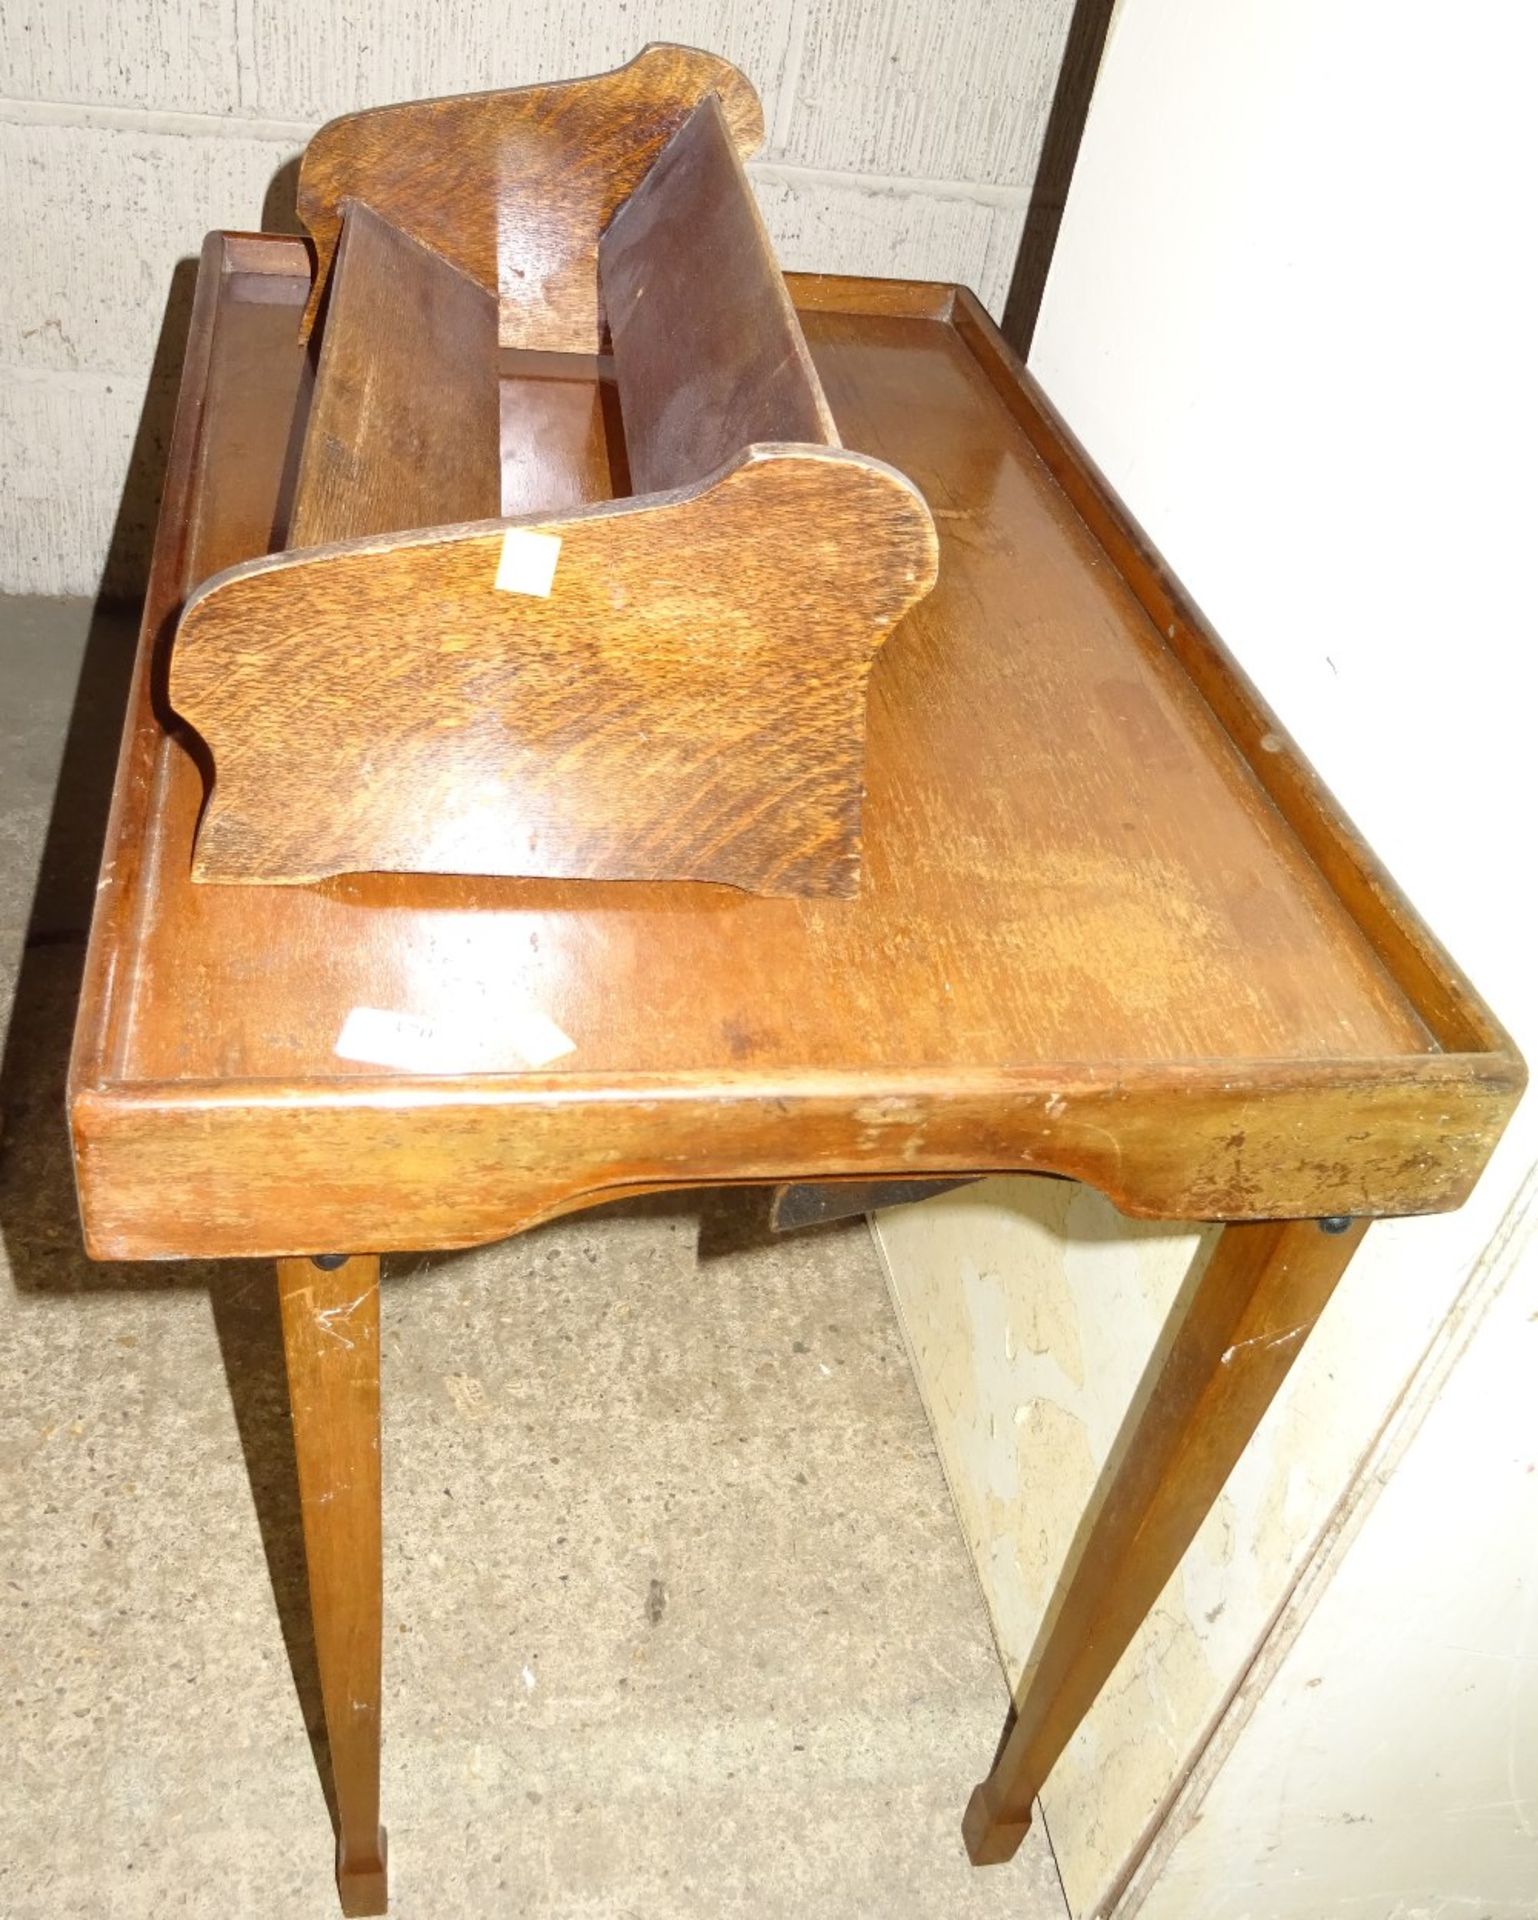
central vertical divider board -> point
(404, 429)
(515, 186)
(708, 352)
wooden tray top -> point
(1110, 925)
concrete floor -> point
(678, 1617)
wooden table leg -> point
(1240, 1329)
(331, 1339)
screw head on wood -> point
(1335, 1223)
(329, 1262)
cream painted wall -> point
(903, 139)
(1290, 315)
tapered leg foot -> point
(990, 1840)
(1241, 1327)
(362, 1879)
(331, 1341)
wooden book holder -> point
(669, 685)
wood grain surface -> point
(1229, 1345)
(407, 1159)
(331, 1345)
(405, 426)
(563, 444)
(1108, 926)
(1442, 992)
(708, 351)
(685, 699)
(515, 187)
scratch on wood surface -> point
(1113, 1144)
(1266, 1340)
(325, 1316)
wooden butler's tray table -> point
(1107, 925)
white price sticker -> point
(528, 562)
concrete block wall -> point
(902, 139)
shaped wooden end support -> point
(667, 690)
(670, 685)
(515, 187)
